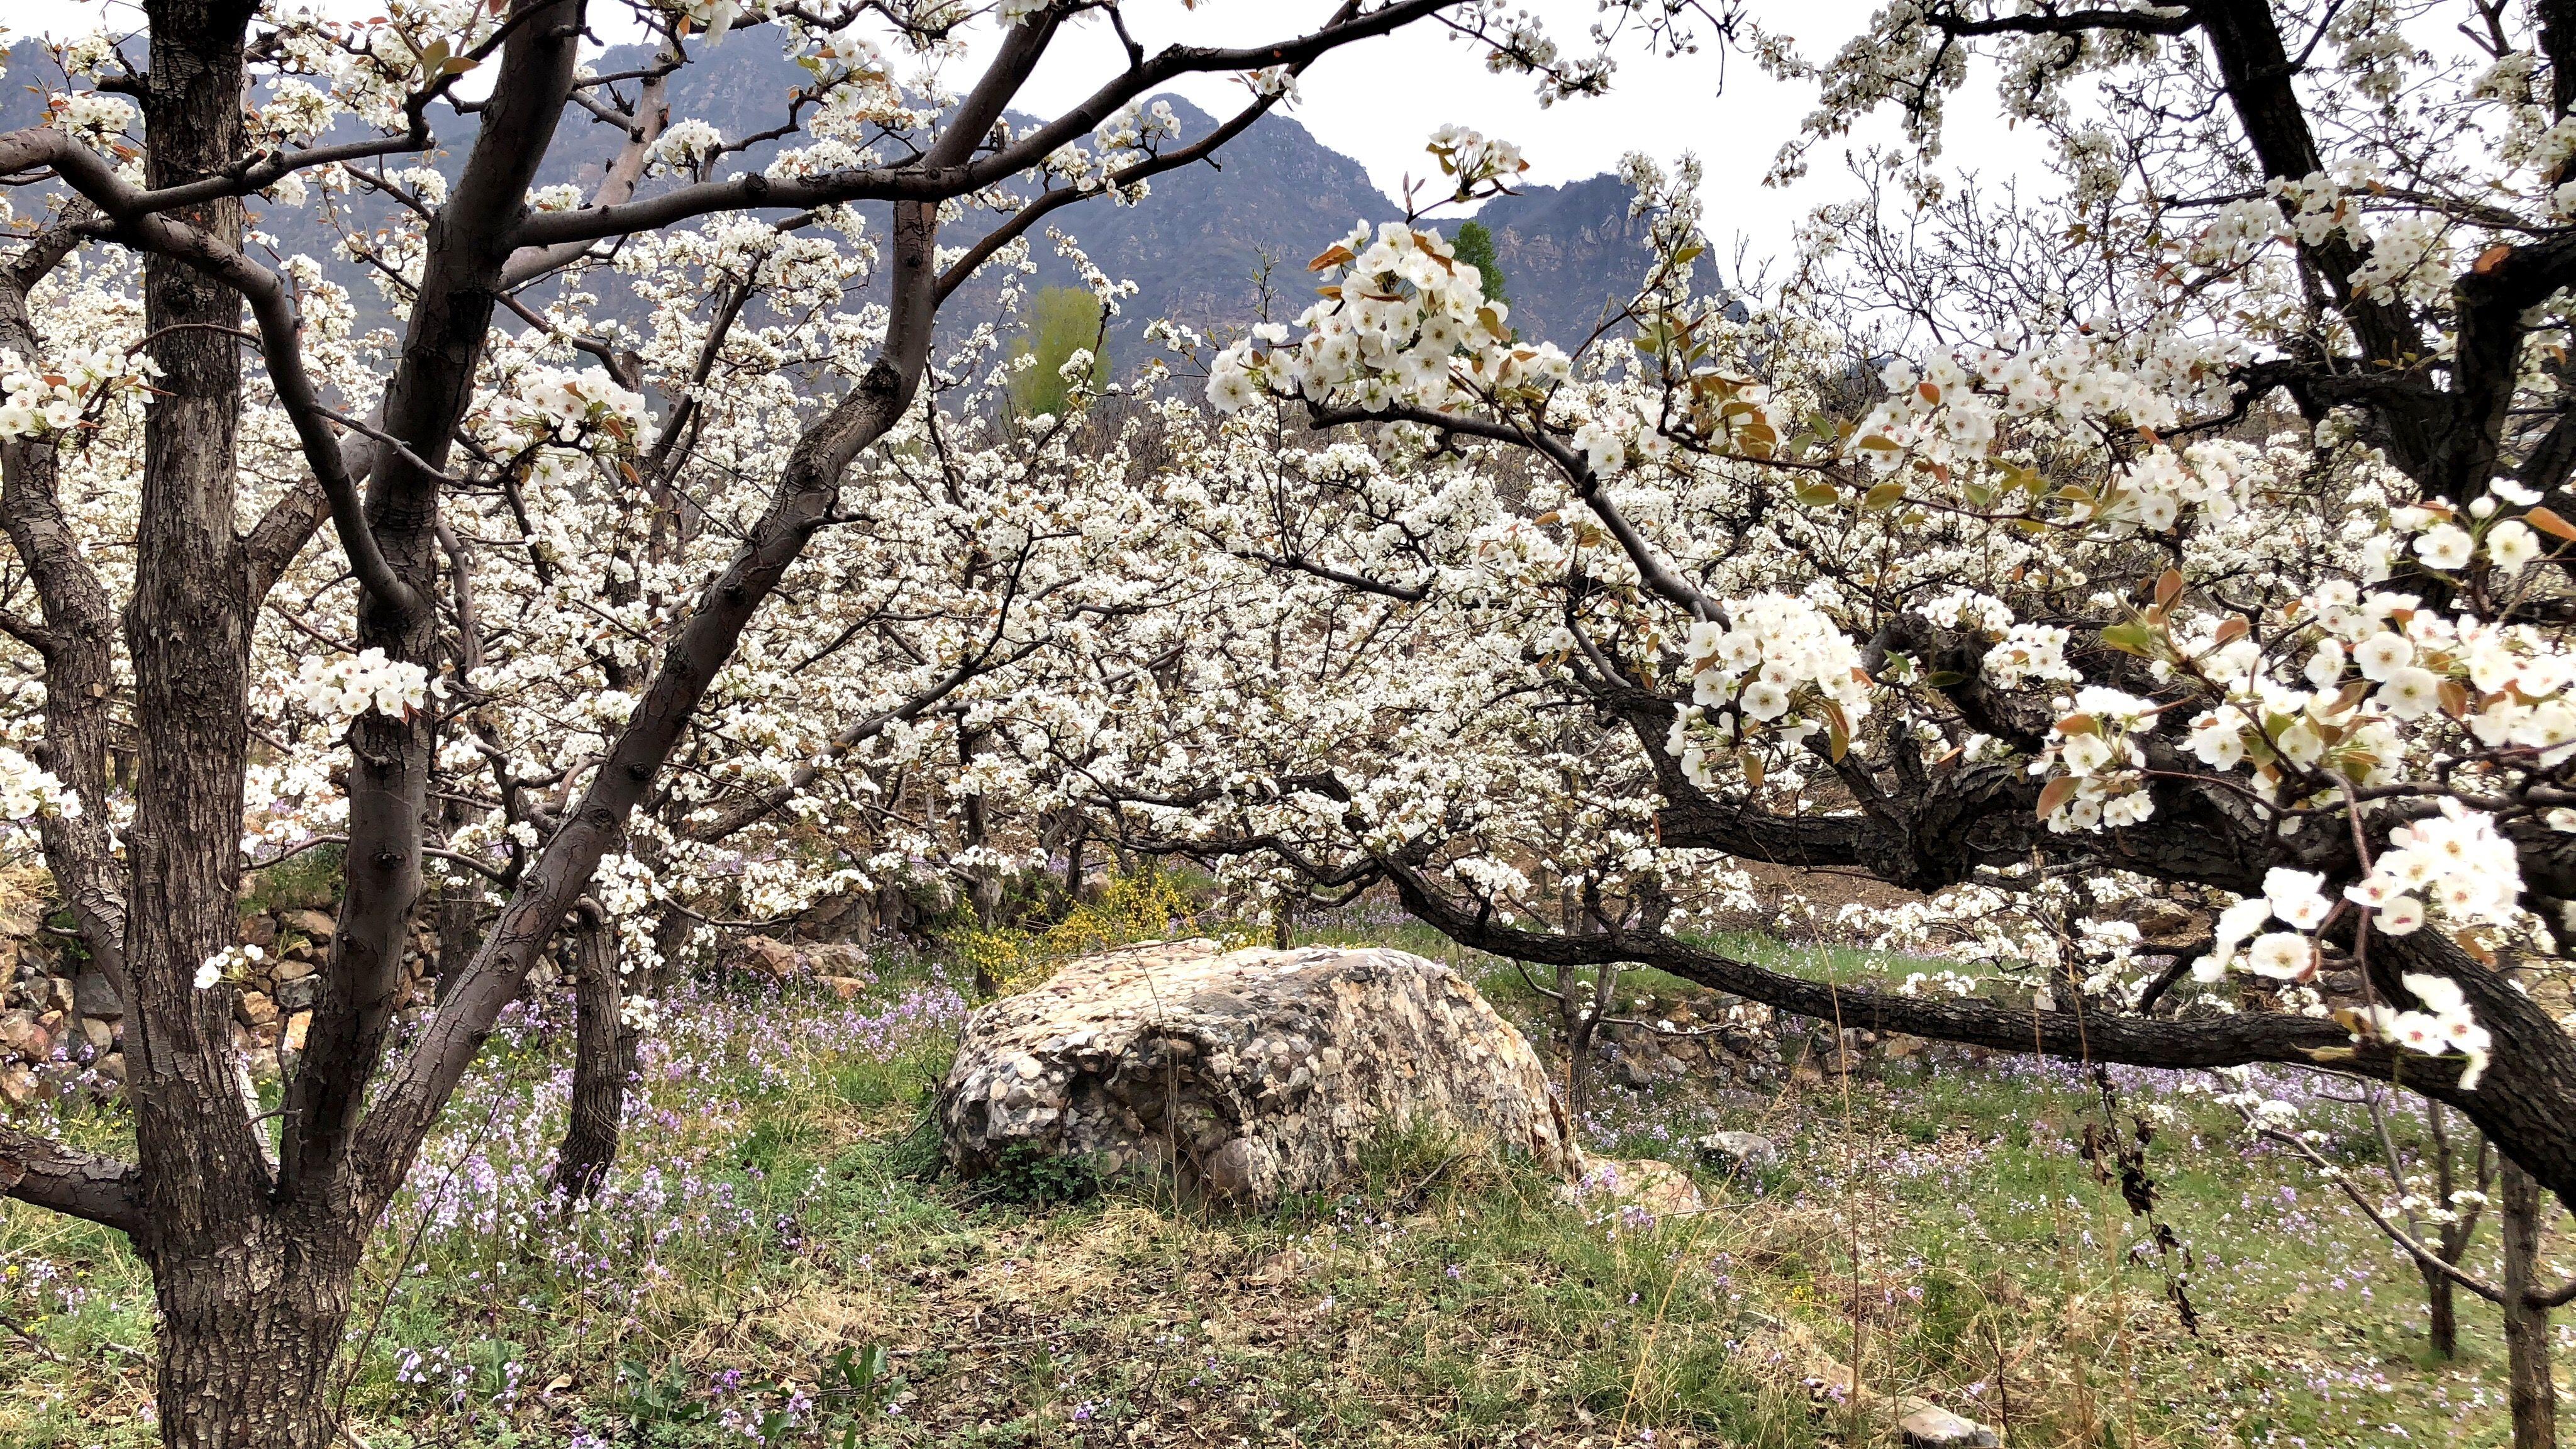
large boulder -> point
(1252, 1073)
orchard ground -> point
(777, 1261)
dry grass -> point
(1940, 1231)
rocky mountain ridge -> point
(1215, 245)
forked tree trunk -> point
(249, 1336)
(603, 1058)
(2526, 1328)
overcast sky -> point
(1378, 101)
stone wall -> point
(62, 1025)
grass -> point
(776, 1262)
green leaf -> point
(2131, 638)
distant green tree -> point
(1475, 247)
(1061, 322)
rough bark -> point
(251, 1302)
(2534, 1399)
(2441, 1300)
(77, 644)
(603, 1057)
(249, 1335)
(391, 758)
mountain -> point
(1198, 246)
(1570, 255)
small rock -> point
(293, 970)
(17, 1084)
(848, 988)
(312, 925)
(2342, 983)
(1926, 1425)
(1285, 1266)
(835, 958)
(100, 1034)
(21, 1036)
(93, 995)
(298, 993)
(2158, 919)
(296, 1027)
(776, 959)
(255, 1009)
(1738, 1152)
(57, 994)
(111, 1066)
(1658, 1187)
(260, 931)
(1240, 1170)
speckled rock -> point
(1738, 1152)
(1656, 1188)
(1253, 1073)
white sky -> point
(1377, 101)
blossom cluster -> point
(343, 689)
(2380, 661)
(561, 406)
(1475, 161)
(2456, 860)
(94, 116)
(27, 791)
(1401, 321)
(1784, 671)
(2029, 654)
(2442, 1028)
(37, 399)
(227, 964)
(2097, 744)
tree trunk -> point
(2526, 1328)
(252, 1297)
(2445, 1327)
(2458, 1233)
(603, 1058)
(984, 885)
(1582, 1021)
(459, 910)
(250, 1330)
(1578, 1038)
